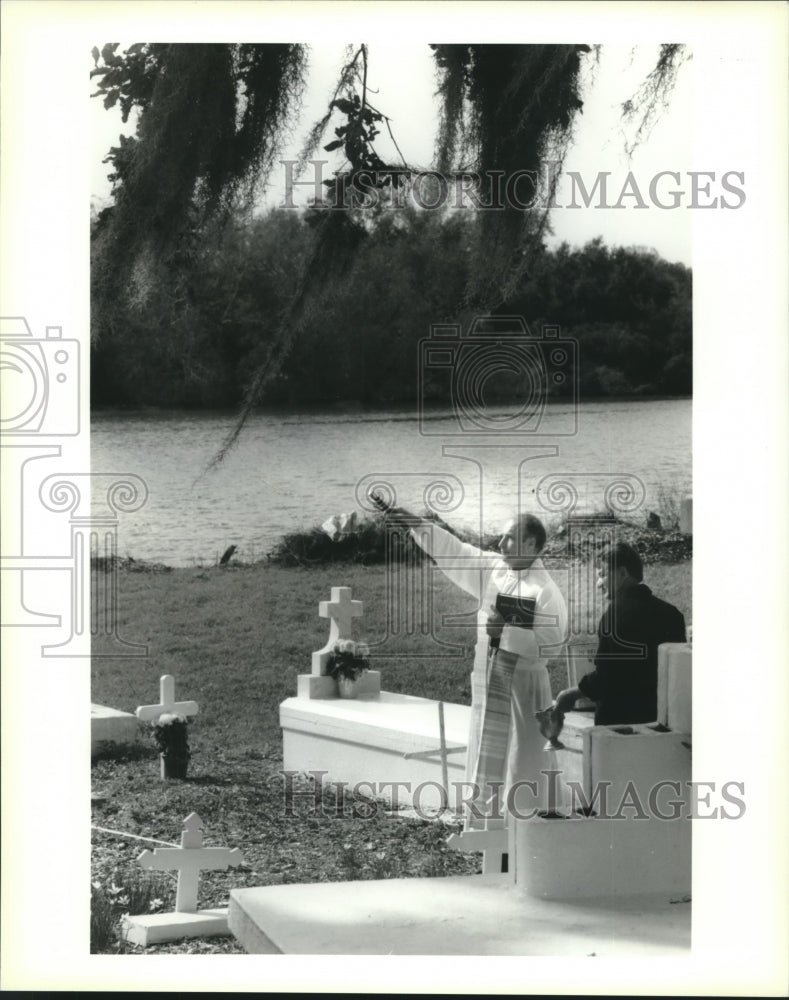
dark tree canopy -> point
(629, 310)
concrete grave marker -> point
(493, 841)
(340, 610)
(189, 860)
(168, 704)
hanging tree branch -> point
(653, 94)
(338, 234)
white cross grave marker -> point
(148, 713)
(492, 841)
(341, 610)
(190, 859)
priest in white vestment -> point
(506, 764)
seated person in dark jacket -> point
(624, 682)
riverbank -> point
(369, 541)
(354, 406)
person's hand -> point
(394, 515)
(565, 701)
(495, 624)
(380, 503)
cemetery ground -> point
(235, 638)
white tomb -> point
(379, 737)
(108, 725)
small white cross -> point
(147, 713)
(189, 859)
(342, 610)
(492, 841)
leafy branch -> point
(357, 135)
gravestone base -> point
(570, 760)
(458, 915)
(364, 741)
(317, 686)
(675, 686)
(108, 725)
(154, 928)
(590, 857)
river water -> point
(291, 471)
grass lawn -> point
(235, 639)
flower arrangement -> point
(170, 733)
(348, 660)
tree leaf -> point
(110, 99)
(95, 53)
(333, 145)
(108, 53)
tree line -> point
(192, 335)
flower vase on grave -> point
(346, 664)
(173, 767)
(347, 687)
(170, 733)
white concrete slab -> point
(154, 928)
(461, 915)
(110, 725)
